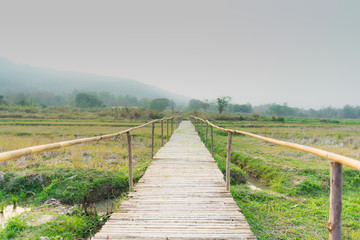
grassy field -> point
(292, 198)
(81, 174)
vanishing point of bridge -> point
(181, 196)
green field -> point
(291, 200)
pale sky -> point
(305, 53)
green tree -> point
(87, 100)
(205, 105)
(144, 102)
(244, 108)
(222, 103)
(159, 104)
(2, 100)
(172, 105)
(195, 104)
(281, 110)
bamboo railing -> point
(336, 179)
(4, 156)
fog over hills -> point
(15, 77)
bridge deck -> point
(181, 196)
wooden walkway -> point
(181, 196)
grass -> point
(76, 175)
(295, 201)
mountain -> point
(15, 77)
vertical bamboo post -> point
(130, 162)
(228, 157)
(206, 133)
(167, 129)
(152, 140)
(196, 125)
(172, 126)
(201, 136)
(212, 141)
(162, 132)
(336, 184)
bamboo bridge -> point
(182, 195)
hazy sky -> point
(305, 53)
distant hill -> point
(16, 77)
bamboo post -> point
(130, 162)
(336, 184)
(228, 157)
(167, 129)
(172, 126)
(206, 133)
(201, 136)
(162, 132)
(196, 125)
(152, 140)
(212, 141)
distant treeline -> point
(278, 110)
(105, 99)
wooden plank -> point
(182, 195)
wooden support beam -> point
(336, 185)
(201, 135)
(172, 126)
(152, 140)
(167, 129)
(228, 158)
(131, 183)
(162, 132)
(212, 141)
(206, 133)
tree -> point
(87, 100)
(222, 103)
(172, 105)
(144, 102)
(159, 104)
(195, 104)
(244, 108)
(205, 104)
(349, 111)
(281, 110)
(2, 100)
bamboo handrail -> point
(350, 162)
(4, 156)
